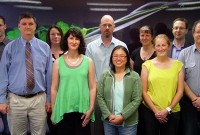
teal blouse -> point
(73, 92)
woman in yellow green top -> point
(162, 89)
(73, 89)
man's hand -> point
(48, 107)
(4, 108)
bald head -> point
(107, 18)
(107, 26)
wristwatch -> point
(169, 110)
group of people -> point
(99, 88)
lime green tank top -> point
(73, 92)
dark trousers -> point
(72, 125)
(151, 126)
(6, 130)
(53, 129)
(140, 130)
(190, 118)
(97, 126)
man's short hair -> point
(183, 20)
(27, 15)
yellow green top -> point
(162, 84)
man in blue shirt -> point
(23, 105)
(99, 51)
(179, 30)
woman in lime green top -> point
(73, 89)
(162, 82)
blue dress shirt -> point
(13, 68)
(100, 54)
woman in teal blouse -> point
(73, 89)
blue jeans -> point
(110, 129)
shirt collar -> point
(194, 48)
(101, 41)
(182, 45)
(25, 41)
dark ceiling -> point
(81, 5)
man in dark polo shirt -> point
(3, 41)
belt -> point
(29, 95)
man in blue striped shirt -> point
(24, 106)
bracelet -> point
(169, 110)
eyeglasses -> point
(180, 28)
(119, 56)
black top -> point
(3, 44)
(135, 56)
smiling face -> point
(119, 58)
(146, 35)
(55, 36)
(161, 45)
(27, 27)
(73, 42)
(179, 30)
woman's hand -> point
(161, 116)
(116, 120)
(86, 117)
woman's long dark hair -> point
(112, 66)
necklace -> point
(72, 62)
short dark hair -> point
(2, 18)
(194, 25)
(146, 29)
(27, 15)
(112, 66)
(182, 20)
(76, 33)
(48, 34)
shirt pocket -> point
(40, 63)
(189, 67)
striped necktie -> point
(29, 68)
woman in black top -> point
(145, 52)
(139, 56)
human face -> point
(179, 30)
(2, 28)
(161, 47)
(196, 34)
(73, 42)
(55, 36)
(119, 59)
(107, 26)
(145, 38)
(27, 27)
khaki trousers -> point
(27, 112)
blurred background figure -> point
(135, 40)
(54, 39)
